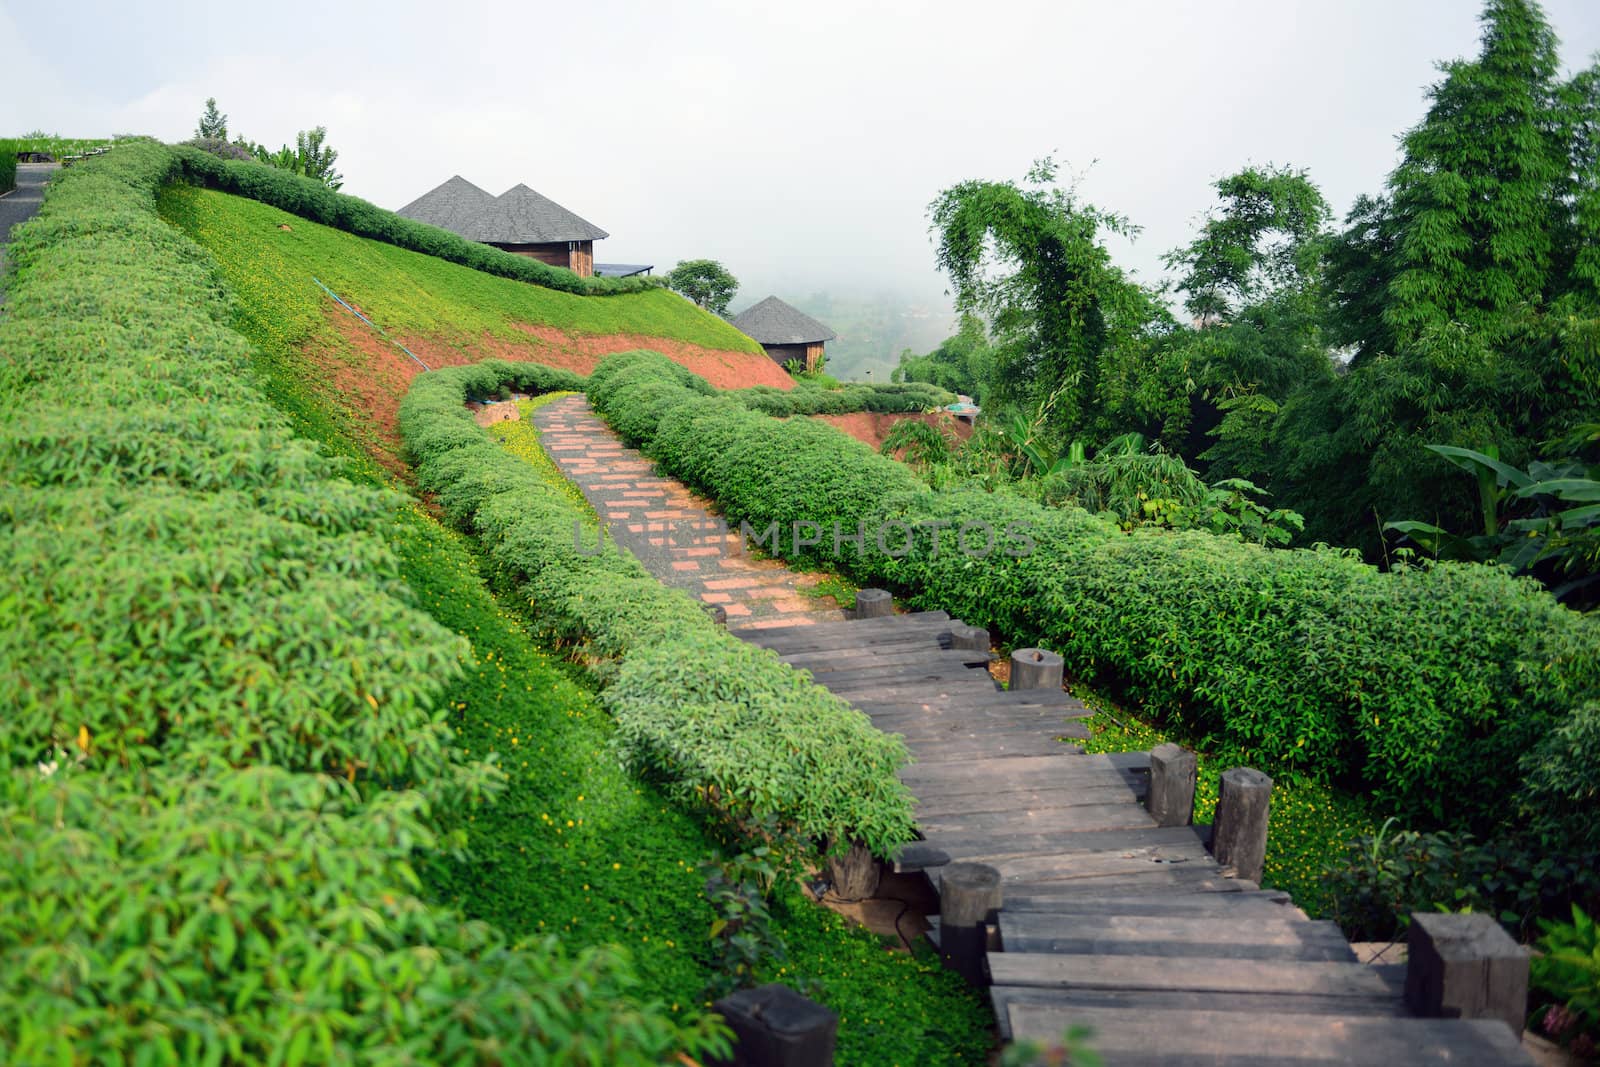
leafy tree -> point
(213, 123)
(315, 159)
(1028, 258)
(706, 282)
(962, 364)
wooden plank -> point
(973, 708)
(1049, 767)
(1091, 816)
(809, 645)
(924, 619)
(1019, 843)
(1241, 938)
(1029, 780)
(1134, 1037)
(870, 680)
(946, 746)
(1002, 997)
(1056, 899)
(823, 664)
(1199, 974)
(932, 804)
(1121, 887)
(1092, 869)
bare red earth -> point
(872, 427)
(373, 383)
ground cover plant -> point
(1417, 686)
(218, 682)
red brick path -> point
(673, 532)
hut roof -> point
(517, 216)
(772, 322)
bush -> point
(720, 723)
(848, 399)
(311, 199)
(8, 165)
(216, 689)
(1421, 685)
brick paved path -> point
(673, 532)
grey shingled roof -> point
(772, 322)
(517, 216)
(452, 206)
(521, 216)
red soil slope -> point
(373, 378)
(872, 427)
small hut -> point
(519, 220)
(784, 332)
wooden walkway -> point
(1107, 919)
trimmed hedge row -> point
(313, 200)
(722, 725)
(1424, 685)
(211, 675)
(8, 166)
(807, 399)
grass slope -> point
(574, 846)
(445, 313)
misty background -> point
(799, 144)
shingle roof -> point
(517, 216)
(452, 206)
(772, 322)
(622, 270)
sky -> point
(799, 143)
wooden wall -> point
(808, 355)
(576, 256)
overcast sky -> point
(799, 143)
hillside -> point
(444, 313)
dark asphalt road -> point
(21, 204)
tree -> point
(1029, 260)
(315, 159)
(213, 123)
(962, 364)
(706, 282)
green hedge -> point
(8, 165)
(1423, 685)
(807, 399)
(219, 706)
(723, 726)
(313, 200)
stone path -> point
(21, 204)
(674, 533)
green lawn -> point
(270, 257)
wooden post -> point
(873, 603)
(1173, 771)
(973, 638)
(855, 872)
(1239, 835)
(969, 894)
(1034, 668)
(1466, 967)
(773, 1026)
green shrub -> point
(263, 916)
(847, 399)
(8, 165)
(313, 200)
(718, 722)
(1420, 685)
(199, 613)
(1567, 968)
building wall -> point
(576, 256)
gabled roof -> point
(452, 206)
(517, 216)
(521, 216)
(772, 322)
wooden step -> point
(1135, 1037)
(862, 627)
(822, 664)
(1055, 899)
(1003, 997)
(1196, 974)
(1145, 935)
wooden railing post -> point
(1239, 835)
(971, 638)
(773, 1026)
(1173, 772)
(873, 603)
(969, 894)
(1034, 668)
(1466, 967)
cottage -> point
(784, 332)
(519, 220)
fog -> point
(799, 144)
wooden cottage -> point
(784, 332)
(519, 220)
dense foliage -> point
(223, 734)
(311, 199)
(720, 724)
(1421, 684)
(8, 166)
(808, 399)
